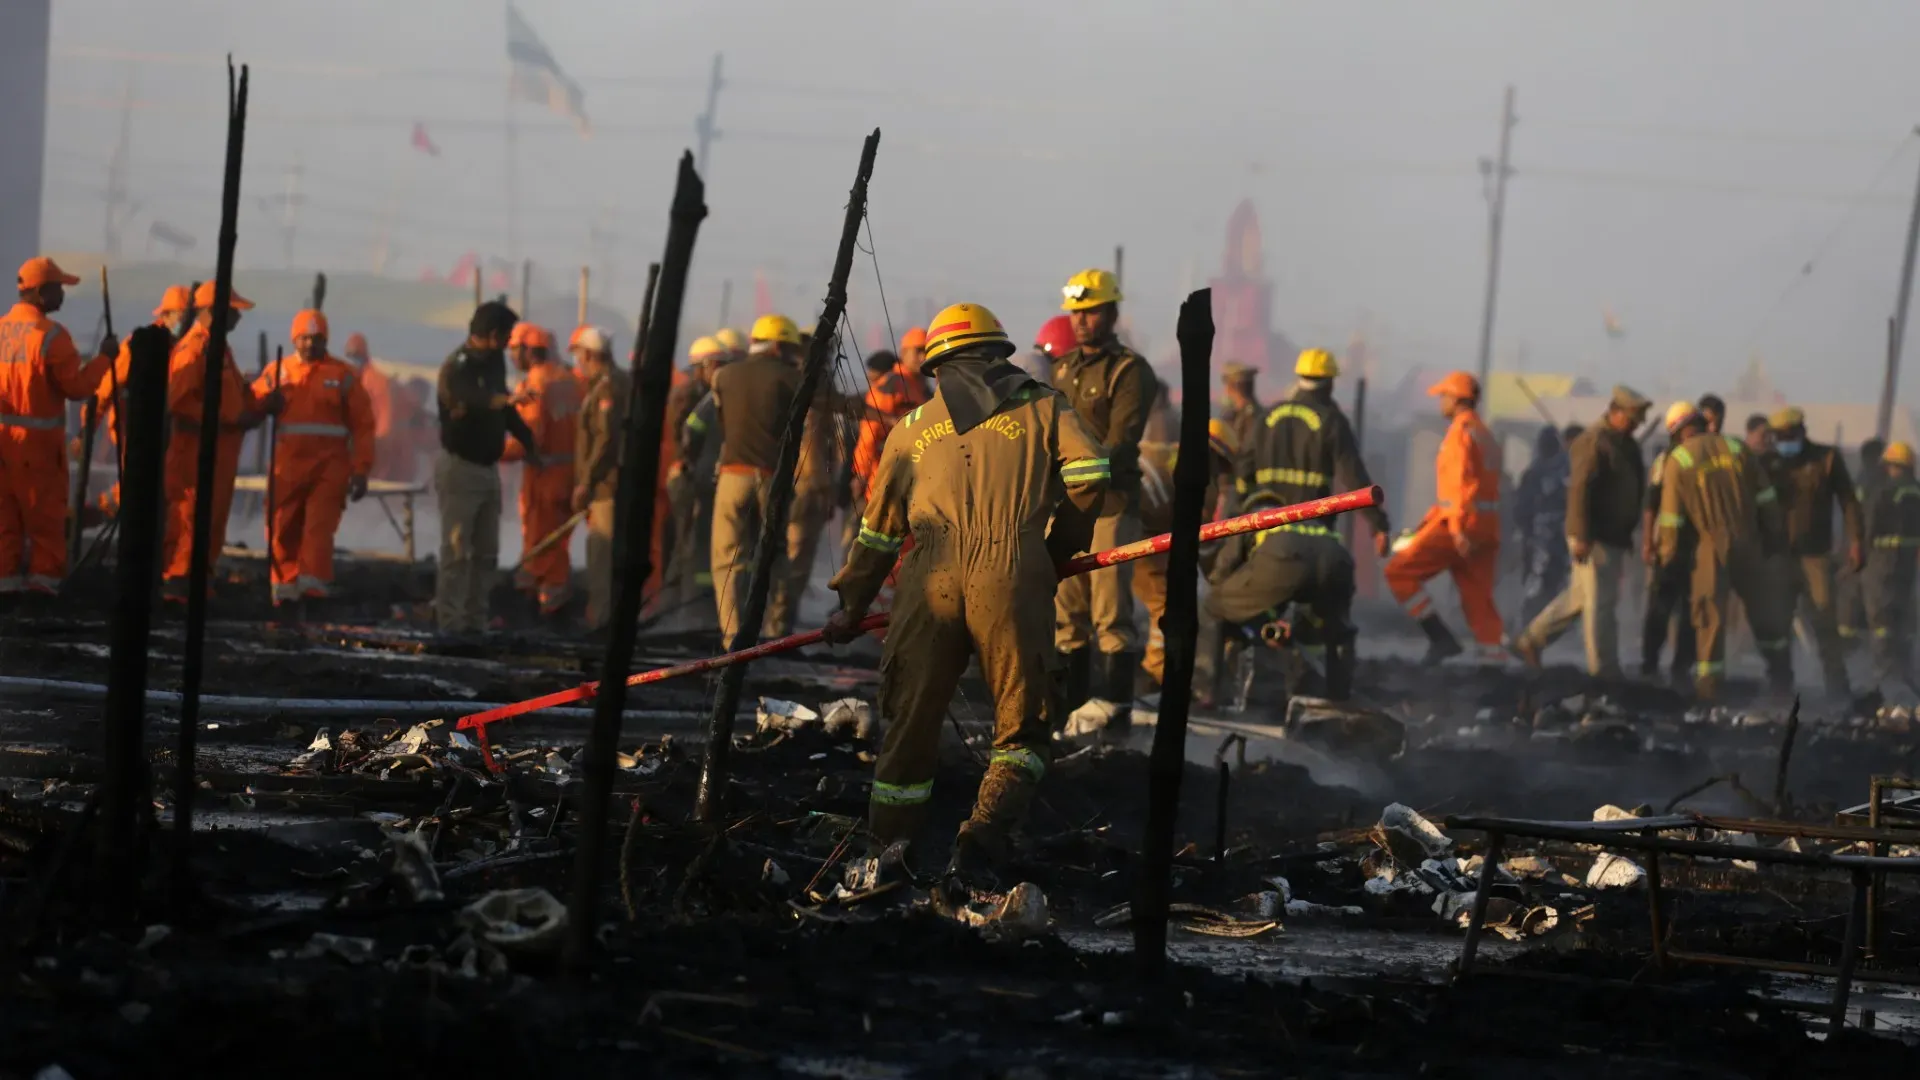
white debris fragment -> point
(1017, 916)
(848, 718)
(525, 921)
(1610, 812)
(1090, 719)
(1527, 866)
(1308, 907)
(1282, 886)
(1410, 837)
(1611, 871)
(774, 874)
(777, 715)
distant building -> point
(1242, 302)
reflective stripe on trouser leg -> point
(925, 653)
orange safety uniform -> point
(891, 397)
(550, 404)
(40, 371)
(1467, 502)
(186, 380)
(324, 437)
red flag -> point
(422, 142)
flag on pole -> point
(537, 77)
(421, 142)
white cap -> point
(593, 338)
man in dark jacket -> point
(1812, 480)
(1539, 523)
(476, 416)
(1607, 480)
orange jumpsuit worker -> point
(549, 401)
(1461, 533)
(325, 453)
(40, 371)
(240, 412)
(175, 305)
(380, 390)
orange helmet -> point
(176, 298)
(203, 298)
(357, 344)
(531, 335)
(1457, 384)
(963, 325)
(308, 323)
(914, 338)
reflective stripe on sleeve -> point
(1709, 667)
(1084, 470)
(1669, 520)
(902, 794)
(695, 424)
(1300, 477)
(1023, 758)
(1896, 541)
(1767, 495)
(1681, 455)
(879, 541)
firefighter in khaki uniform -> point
(325, 453)
(596, 470)
(1111, 388)
(813, 505)
(40, 371)
(751, 399)
(973, 476)
(1713, 484)
(1893, 542)
(1461, 533)
(1812, 479)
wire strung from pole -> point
(872, 253)
(1812, 261)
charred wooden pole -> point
(1179, 626)
(126, 790)
(632, 526)
(89, 428)
(773, 521)
(193, 654)
(646, 314)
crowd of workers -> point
(968, 473)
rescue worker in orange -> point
(323, 456)
(240, 412)
(913, 358)
(380, 392)
(40, 371)
(973, 476)
(548, 399)
(1461, 533)
(176, 308)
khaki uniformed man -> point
(1111, 388)
(1243, 411)
(973, 476)
(1812, 479)
(596, 470)
(750, 402)
(813, 505)
(1893, 538)
(1713, 483)
(687, 554)
(1670, 584)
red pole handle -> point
(1273, 517)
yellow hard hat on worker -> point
(1678, 414)
(962, 326)
(1089, 289)
(729, 339)
(772, 330)
(1897, 453)
(705, 349)
(1316, 364)
(1220, 439)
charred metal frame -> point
(1643, 835)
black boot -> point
(1340, 663)
(1075, 668)
(1440, 641)
(1117, 686)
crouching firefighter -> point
(974, 475)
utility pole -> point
(703, 129)
(117, 170)
(1493, 175)
(1898, 335)
(290, 200)
(1119, 263)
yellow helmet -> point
(961, 325)
(704, 349)
(729, 339)
(1220, 439)
(1679, 413)
(1897, 453)
(773, 329)
(1316, 364)
(1090, 289)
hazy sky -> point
(1678, 161)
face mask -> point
(1789, 447)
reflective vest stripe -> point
(331, 431)
(35, 423)
(902, 794)
(879, 541)
(1020, 757)
(1301, 477)
(1082, 470)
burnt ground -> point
(728, 965)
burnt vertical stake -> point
(1179, 627)
(633, 553)
(773, 525)
(126, 790)
(193, 654)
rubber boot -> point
(1441, 643)
(1779, 671)
(1118, 687)
(1075, 668)
(1339, 674)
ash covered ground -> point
(1310, 937)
